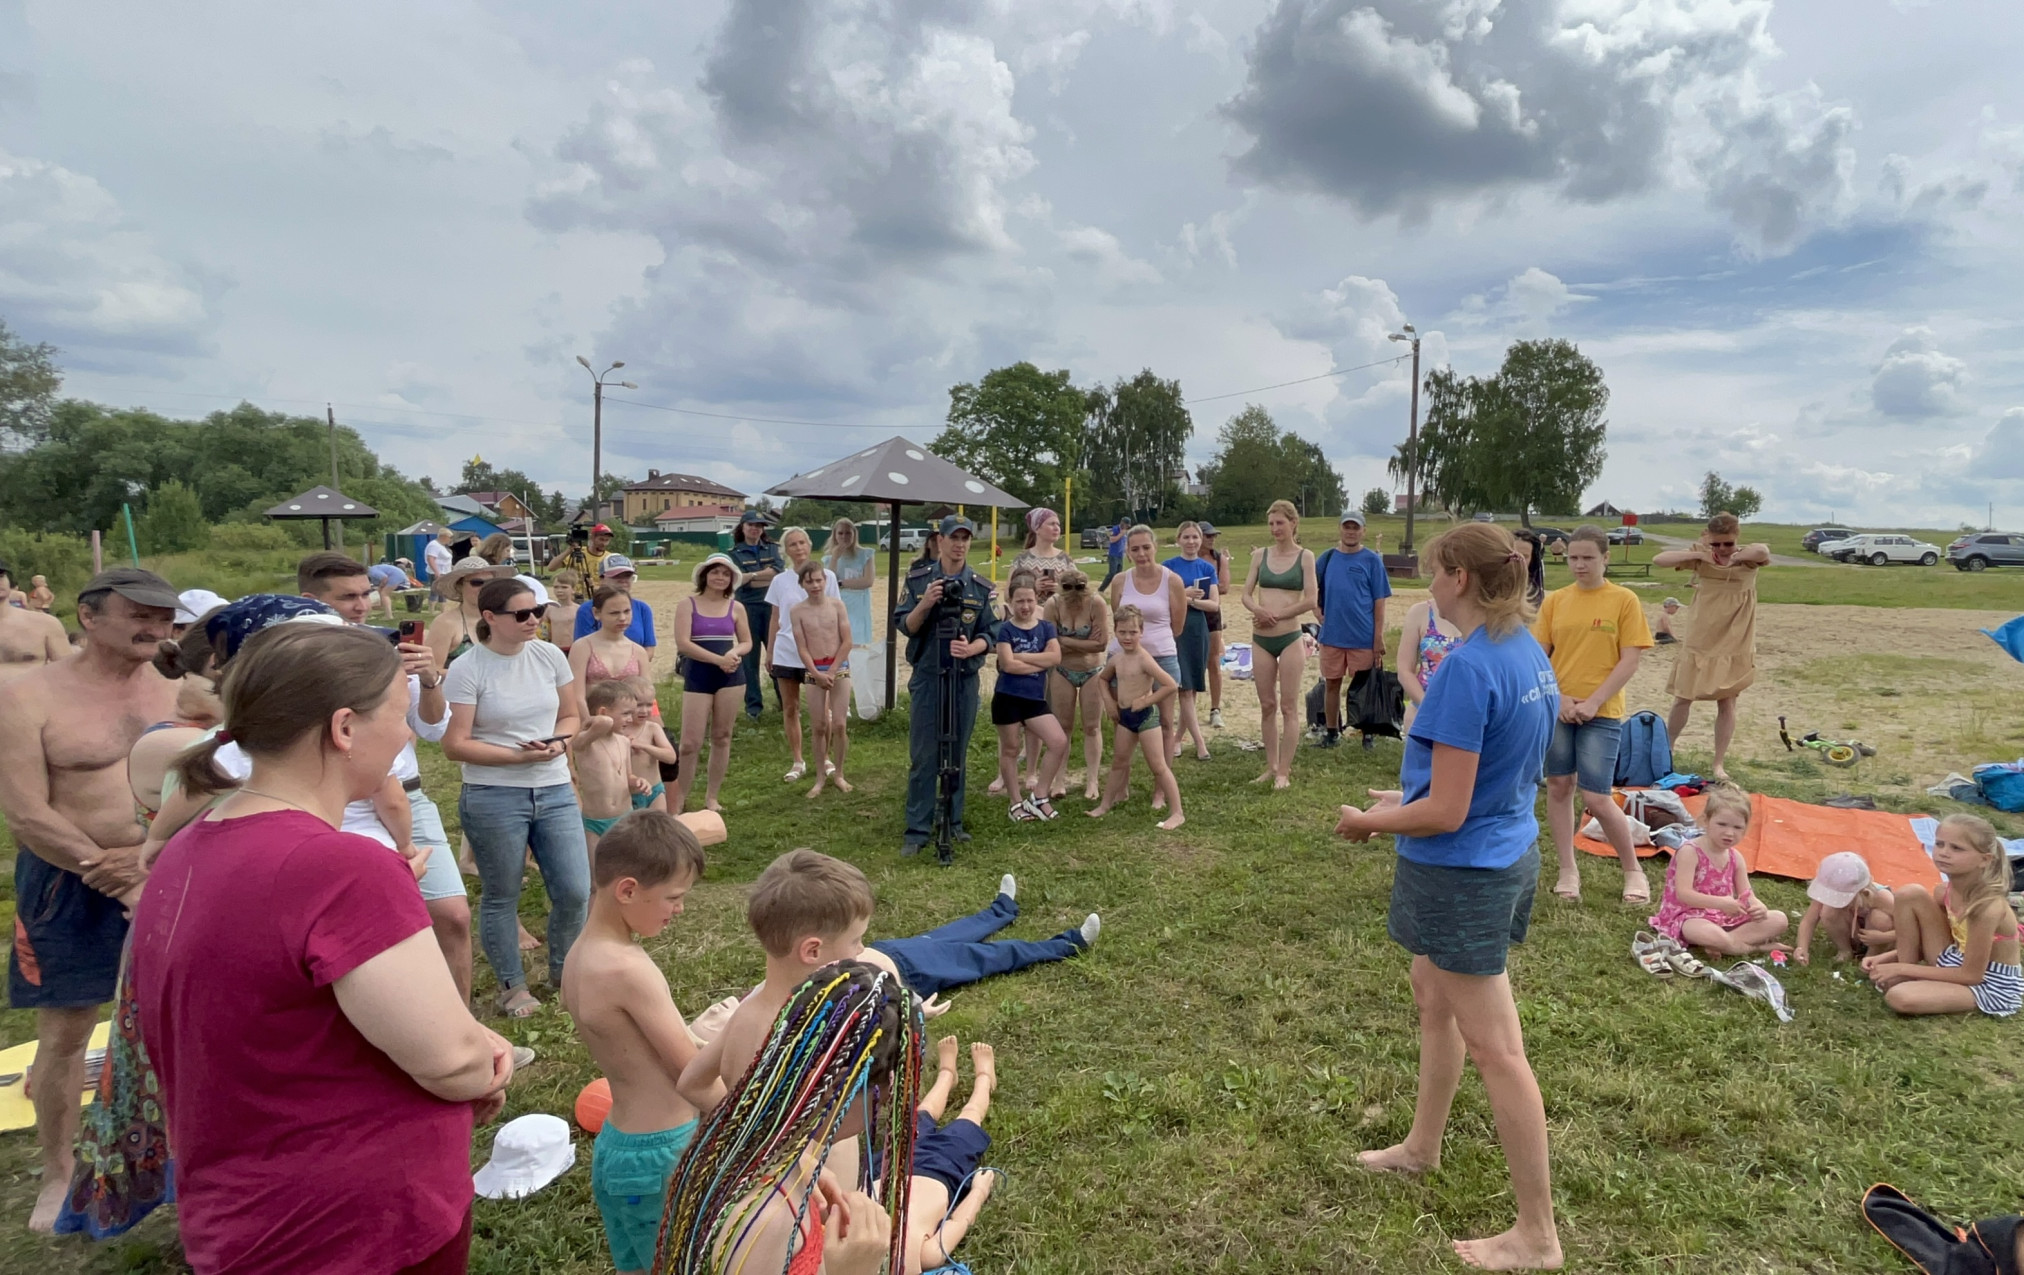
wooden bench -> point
(1628, 569)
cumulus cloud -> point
(1915, 379)
(74, 266)
(2002, 451)
(1528, 302)
(1394, 105)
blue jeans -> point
(956, 954)
(1587, 751)
(503, 824)
(760, 616)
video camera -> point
(947, 617)
(579, 535)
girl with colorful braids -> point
(751, 1195)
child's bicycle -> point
(1833, 752)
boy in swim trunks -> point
(949, 1189)
(1136, 686)
(651, 748)
(822, 635)
(604, 773)
(619, 1000)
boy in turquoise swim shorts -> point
(646, 863)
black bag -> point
(1317, 706)
(1988, 1247)
(1377, 703)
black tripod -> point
(948, 743)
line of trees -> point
(1256, 463)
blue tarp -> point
(2010, 637)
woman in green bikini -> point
(1082, 619)
(1278, 591)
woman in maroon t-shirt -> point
(320, 1072)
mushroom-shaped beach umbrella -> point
(323, 503)
(895, 473)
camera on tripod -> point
(947, 617)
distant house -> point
(464, 515)
(502, 504)
(1605, 510)
(658, 493)
(699, 518)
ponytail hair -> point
(495, 596)
(1497, 578)
(193, 654)
(286, 682)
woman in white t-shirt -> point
(787, 671)
(511, 716)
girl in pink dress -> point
(1718, 911)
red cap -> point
(600, 528)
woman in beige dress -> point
(1718, 656)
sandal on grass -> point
(1023, 812)
(1684, 962)
(1637, 893)
(1566, 893)
(518, 1003)
(1650, 956)
(795, 772)
(1042, 806)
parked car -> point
(1882, 549)
(1626, 535)
(912, 540)
(1551, 536)
(1093, 538)
(1823, 535)
(1985, 549)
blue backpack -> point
(1644, 753)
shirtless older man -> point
(28, 638)
(65, 731)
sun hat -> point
(714, 560)
(1670, 602)
(135, 584)
(193, 604)
(1353, 515)
(465, 568)
(527, 1154)
(616, 564)
(1839, 878)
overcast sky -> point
(1788, 232)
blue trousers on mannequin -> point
(956, 954)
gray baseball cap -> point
(135, 584)
(1354, 515)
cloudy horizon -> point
(1786, 231)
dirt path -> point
(1921, 685)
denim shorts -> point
(441, 878)
(1462, 919)
(1587, 751)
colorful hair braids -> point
(852, 1029)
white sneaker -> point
(1216, 718)
(522, 1056)
(1091, 928)
(1008, 887)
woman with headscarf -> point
(1043, 555)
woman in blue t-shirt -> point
(1027, 647)
(1198, 580)
(1468, 865)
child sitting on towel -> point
(1708, 901)
(1956, 953)
(1854, 908)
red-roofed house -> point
(660, 493)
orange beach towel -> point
(1790, 838)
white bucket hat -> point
(527, 1154)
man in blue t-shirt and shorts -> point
(1350, 589)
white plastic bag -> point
(868, 679)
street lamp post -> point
(597, 423)
(1412, 435)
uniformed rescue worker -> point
(924, 588)
(758, 560)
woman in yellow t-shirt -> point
(1594, 632)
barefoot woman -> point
(1279, 590)
(1468, 864)
(1718, 659)
(712, 635)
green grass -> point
(1190, 1096)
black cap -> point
(135, 585)
(1207, 528)
(952, 524)
(753, 515)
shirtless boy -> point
(28, 638)
(651, 748)
(646, 864)
(604, 773)
(1136, 686)
(946, 1158)
(40, 597)
(822, 635)
(65, 731)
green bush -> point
(64, 559)
(174, 520)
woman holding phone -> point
(512, 711)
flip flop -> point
(518, 1003)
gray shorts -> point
(1462, 919)
(440, 879)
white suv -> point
(1880, 550)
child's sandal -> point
(1650, 955)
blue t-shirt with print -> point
(1346, 585)
(1497, 700)
(1193, 572)
(641, 630)
(1024, 642)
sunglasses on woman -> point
(524, 614)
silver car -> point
(1985, 549)
(1882, 549)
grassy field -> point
(1191, 1094)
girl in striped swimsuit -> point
(1957, 952)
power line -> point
(1340, 371)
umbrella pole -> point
(892, 607)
